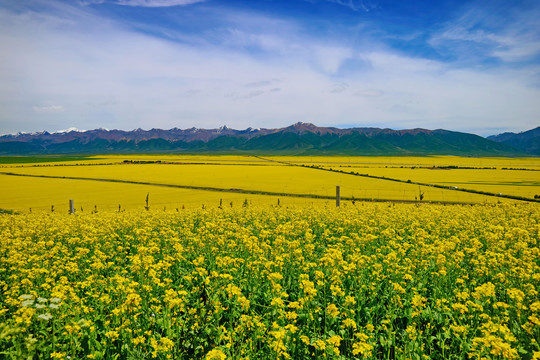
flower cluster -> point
(395, 281)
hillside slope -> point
(297, 139)
(527, 141)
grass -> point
(43, 159)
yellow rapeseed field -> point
(30, 194)
(270, 175)
(524, 183)
(275, 178)
(371, 281)
(370, 161)
(430, 161)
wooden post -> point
(71, 207)
(338, 195)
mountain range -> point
(297, 139)
(527, 141)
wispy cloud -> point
(507, 31)
(368, 93)
(143, 3)
(357, 5)
(156, 3)
(339, 88)
(261, 83)
(254, 93)
(48, 109)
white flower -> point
(56, 300)
(26, 297)
(45, 316)
(40, 306)
(54, 306)
(41, 300)
(26, 303)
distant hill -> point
(527, 141)
(297, 139)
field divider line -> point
(233, 190)
(444, 187)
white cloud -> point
(329, 58)
(510, 35)
(143, 3)
(105, 75)
(357, 5)
(48, 109)
(156, 3)
(516, 51)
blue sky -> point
(469, 66)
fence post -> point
(71, 207)
(338, 196)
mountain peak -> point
(304, 126)
(527, 141)
(299, 138)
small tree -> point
(147, 207)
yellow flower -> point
(332, 310)
(277, 301)
(243, 302)
(319, 345)
(294, 305)
(515, 294)
(138, 340)
(349, 323)
(535, 306)
(349, 300)
(113, 335)
(275, 276)
(292, 329)
(362, 348)
(487, 289)
(58, 355)
(215, 354)
(334, 340)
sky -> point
(471, 66)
